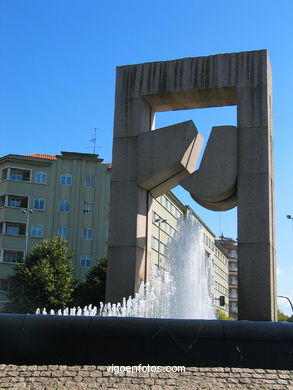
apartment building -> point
(167, 210)
(231, 247)
(42, 196)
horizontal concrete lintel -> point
(216, 71)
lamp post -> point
(290, 217)
(27, 212)
(160, 220)
(282, 296)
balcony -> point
(233, 294)
(13, 228)
(233, 267)
(233, 253)
(16, 174)
(9, 200)
(233, 308)
(233, 280)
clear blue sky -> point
(57, 78)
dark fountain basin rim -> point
(79, 340)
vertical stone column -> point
(129, 203)
(256, 235)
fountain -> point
(192, 273)
(183, 290)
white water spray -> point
(192, 272)
(182, 291)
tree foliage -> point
(282, 316)
(44, 280)
(221, 315)
(92, 290)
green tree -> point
(221, 315)
(44, 280)
(282, 317)
(92, 290)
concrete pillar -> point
(256, 235)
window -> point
(15, 228)
(41, 177)
(39, 204)
(4, 174)
(87, 234)
(166, 202)
(4, 285)
(19, 174)
(62, 232)
(232, 267)
(233, 293)
(64, 205)
(88, 207)
(233, 280)
(17, 201)
(90, 181)
(85, 261)
(14, 202)
(11, 256)
(66, 179)
(37, 230)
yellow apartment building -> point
(42, 196)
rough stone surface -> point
(167, 155)
(242, 79)
(97, 377)
(213, 185)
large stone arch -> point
(242, 79)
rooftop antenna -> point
(220, 223)
(94, 139)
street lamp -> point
(27, 212)
(160, 220)
(290, 217)
(282, 296)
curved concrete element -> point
(44, 340)
(166, 156)
(214, 184)
(223, 205)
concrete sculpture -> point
(149, 161)
(213, 185)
